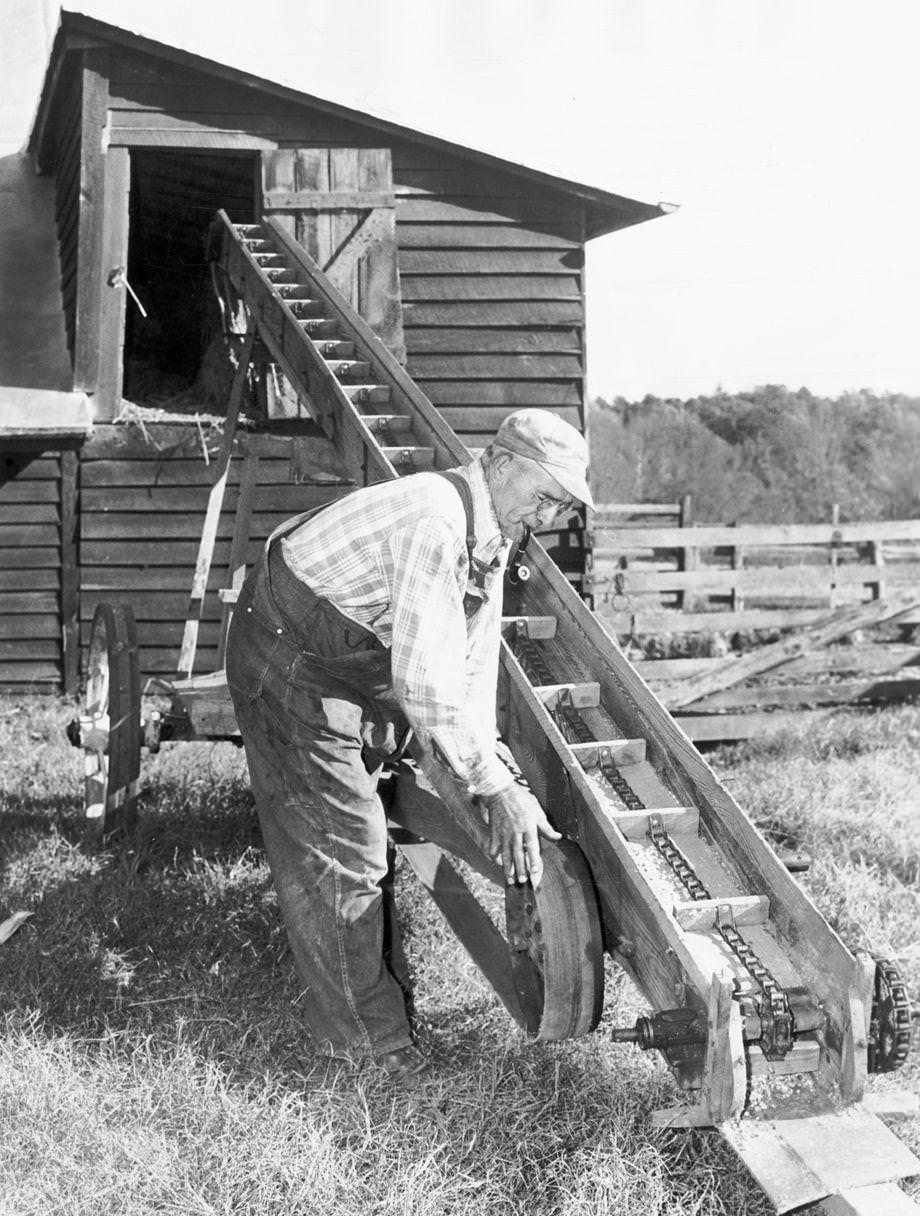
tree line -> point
(766, 456)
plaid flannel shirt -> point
(393, 558)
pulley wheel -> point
(556, 947)
(110, 722)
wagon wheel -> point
(110, 724)
(556, 947)
(547, 968)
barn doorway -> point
(173, 199)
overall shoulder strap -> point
(462, 486)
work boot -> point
(407, 1067)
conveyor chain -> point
(775, 1014)
(776, 1017)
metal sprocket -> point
(890, 1021)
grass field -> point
(152, 1058)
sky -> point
(786, 131)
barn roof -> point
(604, 212)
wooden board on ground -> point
(842, 622)
(803, 1160)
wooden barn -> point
(115, 377)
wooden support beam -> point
(70, 571)
(465, 915)
(845, 620)
(212, 516)
(90, 281)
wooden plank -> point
(239, 547)
(483, 236)
(579, 696)
(884, 1199)
(25, 676)
(488, 261)
(94, 117)
(165, 499)
(215, 503)
(162, 634)
(846, 692)
(803, 1160)
(702, 915)
(765, 658)
(779, 582)
(70, 571)
(535, 366)
(420, 287)
(18, 578)
(30, 513)
(22, 491)
(753, 535)
(608, 514)
(29, 545)
(106, 581)
(505, 394)
(154, 606)
(28, 649)
(112, 306)
(466, 340)
(840, 659)
(179, 136)
(720, 728)
(317, 200)
(122, 526)
(29, 626)
(531, 211)
(29, 603)
(179, 554)
(27, 469)
(160, 475)
(486, 313)
(643, 623)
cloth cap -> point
(555, 445)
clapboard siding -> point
(144, 496)
(31, 656)
(491, 265)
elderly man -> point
(381, 612)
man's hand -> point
(516, 821)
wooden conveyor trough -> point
(759, 1008)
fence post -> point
(835, 541)
(737, 558)
(687, 557)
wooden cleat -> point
(367, 394)
(410, 459)
(703, 915)
(585, 695)
(619, 752)
(678, 820)
(349, 369)
(535, 628)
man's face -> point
(524, 494)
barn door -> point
(338, 203)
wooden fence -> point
(655, 583)
(719, 578)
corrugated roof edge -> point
(605, 212)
